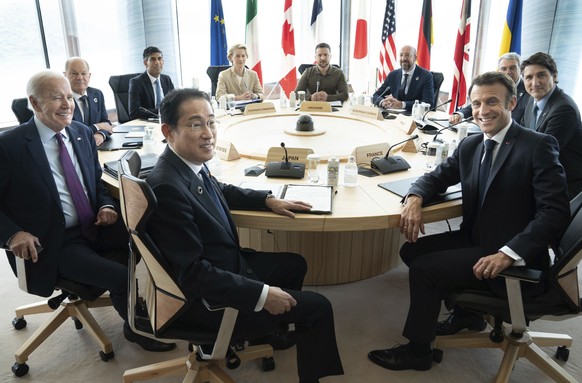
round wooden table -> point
(360, 238)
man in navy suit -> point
(509, 64)
(55, 212)
(405, 85)
(89, 102)
(147, 90)
(557, 114)
(194, 230)
(515, 204)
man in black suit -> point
(55, 212)
(89, 102)
(515, 204)
(194, 230)
(509, 64)
(556, 114)
(147, 90)
(405, 85)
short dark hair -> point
(542, 59)
(174, 99)
(323, 45)
(492, 78)
(150, 51)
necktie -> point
(158, 93)
(85, 106)
(402, 90)
(535, 116)
(80, 200)
(485, 168)
(210, 190)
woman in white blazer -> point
(238, 79)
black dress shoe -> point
(400, 358)
(146, 343)
(453, 324)
(278, 340)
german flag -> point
(425, 35)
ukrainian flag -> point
(511, 38)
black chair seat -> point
(84, 292)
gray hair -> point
(510, 56)
(35, 85)
(75, 58)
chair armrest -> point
(522, 273)
(213, 306)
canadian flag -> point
(289, 80)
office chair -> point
(561, 299)
(166, 301)
(213, 71)
(73, 302)
(437, 79)
(21, 111)
(120, 87)
(303, 67)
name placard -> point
(412, 146)
(364, 154)
(368, 112)
(277, 153)
(259, 108)
(406, 123)
(226, 150)
(315, 106)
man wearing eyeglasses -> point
(193, 228)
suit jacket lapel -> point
(149, 88)
(548, 107)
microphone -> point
(468, 119)
(436, 107)
(428, 128)
(389, 164)
(157, 117)
(317, 87)
(285, 169)
(382, 95)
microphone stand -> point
(389, 164)
(157, 117)
(468, 119)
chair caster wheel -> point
(268, 364)
(106, 356)
(437, 355)
(232, 359)
(19, 323)
(190, 347)
(562, 353)
(78, 324)
(496, 336)
(19, 369)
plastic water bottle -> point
(222, 102)
(292, 102)
(149, 141)
(214, 103)
(351, 173)
(416, 111)
(282, 100)
(332, 172)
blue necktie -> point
(402, 91)
(485, 168)
(158, 94)
(210, 190)
(80, 199)
(535, 116)
(85, 105)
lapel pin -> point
(417, 78)
(95, 100)
(78, 138)
(199, 190)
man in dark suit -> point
(194, 230)
(515, 205)
(89, 102)
(556, 114)
(405, 85)
(55, 212)
(509, 64)
(147, 90)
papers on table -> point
(318, 196)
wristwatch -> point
(268, 197)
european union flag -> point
(511, 38)
(218, 46)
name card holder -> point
(364, 154)
(406, 123)
(277, 154)
(368, 112)
(412, 146)
(226, 150)
(259, 108)
(315, 106)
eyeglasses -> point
(198, 126)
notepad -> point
(401, 188)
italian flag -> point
(252, 38)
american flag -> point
(388, 49)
